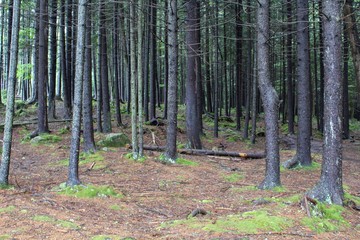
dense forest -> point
(294, 63)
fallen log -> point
(15, 124)
(207, 152)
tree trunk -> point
(43, 68)
(88, 131)
(73, 174)
(116, 65)
(53, 55)
(106, 124)
(238, 64)
(171, 133)
(192, 118)
(153, 61)
(269, 98)
(9, 115)
(354, 40)
(346, 113)
(289, 69)
(133, 81)
(329, 189)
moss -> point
(246, 223)
(64, 130)
(348, 197)
(7, 209)
(115, 207)
(6, 186)
(45, 139)
(326, 218)
(4, 237)
(60, 223)
(89, 191)
(234, 177)
(105, 237)
(186, 162)
(312, 167)
(114, 140)
(131, 156)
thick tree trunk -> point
(192, 118)
(153, 61)
(329, 189)
(73, 174)
(171, 133)
(116, 65)
(289, 69)
(9, 115)
(269, 98)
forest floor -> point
(156, 199)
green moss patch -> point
(348, 197)
(326, 218)
(89, 191)
(244, 189)
(114, 140)
(115, 207)
(59, 223)
(186, 162)
(45, 139)
(110, 237)
(234, 177)
(7, 209)
(246, 223)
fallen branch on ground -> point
(207, 152)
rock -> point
(115, 140)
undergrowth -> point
(57, 222)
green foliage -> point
(348, 197)
(7, 209)
(64, 130)
(60, 223)
(131, 156)
(23, 71)
(6, 186)
(325, 218)
(312, 167)
(114, 140)
(186, 162)
(3, 96)
(89, 191)
(86, 158)
(234, 177)
(246, 223)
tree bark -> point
(53, 54)
(9, 115)
(269, 98)
(192, 118)
(88, 133)
(329, 189)
(73, 173)
(171, 133)
(43, 68)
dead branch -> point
(197, 211)
(208, 152)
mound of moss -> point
(114, 140)
(326, 218)
(89, 191)
(45, 139)
(57, 222)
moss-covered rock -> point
(115, 140)
(45, 139)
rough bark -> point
(9, 115)
(116, 65)
(303, 153)
(192, 46)
(140, 79)
(238, 64)
(153, 61)
(88, 133)
(43, 69)
(73, 173)
(53, 54)
(289, 68)
(269, 98)
(329, 189)
(171, 133)
(106, 124)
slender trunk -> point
(73, 174)
(171, 133)
(53, 54)
(140, 78)
(9, 115)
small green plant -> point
(4, 237)
(7, 209)
(136, 158)
(325, 218)
(64, 130)
(115, 207)
(89, 191)
(234, 177)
